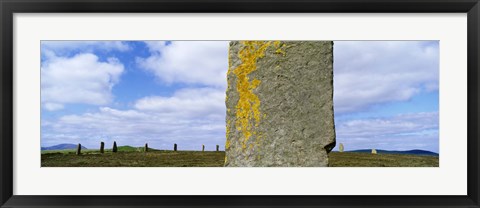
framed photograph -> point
(239, 104)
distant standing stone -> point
(340, 147)
(114, 149)
(174, 147)
(218, 147)
(146, 147)
(102, 147)
(203, 148)
(79, 149)
(279, 103)
(374, 151)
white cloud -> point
(193, 102)
(156, 46)
(190, 62)
(373, 72)
(79, 79)
(400, 132)
(190, 117)
(53, 106)
(400, 124)
(61, 47)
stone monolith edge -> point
(279, 104)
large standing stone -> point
(279, 103)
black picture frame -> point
(10, 7)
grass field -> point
(357, 159)
(153, 158)
(134, 157)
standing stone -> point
(79, 149)
(279, 103)
(218, 147)
(374, 151)
(340, 147)
(114, 149)
(174, 147)
(203, 148)
(146, 147)
(102, 147)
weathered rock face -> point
(279, 103)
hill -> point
(127, 148)
(62, 147)
(406, 152)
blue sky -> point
(165, 92)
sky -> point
(165, 92)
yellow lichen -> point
(279, 48)
(248, 106)
(227, 143)
(227, 132)
(276, 44)
(247, 109)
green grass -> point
(357, 159)
(132, 149)
(135, 157)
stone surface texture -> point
(279, 104)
